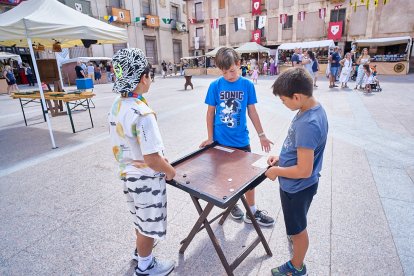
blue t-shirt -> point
(295, 59)
(307, 130)
(335, 57)
(231, 100)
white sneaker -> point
(156, 268)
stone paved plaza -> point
(62, 211)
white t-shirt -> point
(91, 69)
(134, 132)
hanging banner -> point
(376, 3)
(123, 16)
(239, 23)
(167, 20)
(196, 42)
(367, 4)
(180, 26)
(355, 6)
(256, 36)
(335, 30)
(337, 7)
(214, 23)
(262, 22)
(322, 13)
(153, 21)
(301, 16)
(191, 20)
(256, 9)
(283, 18)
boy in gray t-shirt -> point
(299, 163)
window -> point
(151, 49)
(199, 32)
(262, 30)
(222, 4)
(115, 3)
(199, 11)
(177, 51)
(222, 30)
(175, 16)
(339, 15)
(146, 7)
(289, 23)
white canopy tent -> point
(307, 45)
(214, 52)
(47, 22)
(4, 55)
(386, 41)
(253, 47)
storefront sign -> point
(335, 30)
(256, 36)
(181, 27)
(256, 9)
(153, 21)
(123, 16)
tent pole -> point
(60, 71)
(42, 96)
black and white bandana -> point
(128, 66)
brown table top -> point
(55, 96)
(219, 174)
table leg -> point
(256, 226)
(24, 115)
(89, 109)
(227, 213)
(70, 117)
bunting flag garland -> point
(362, 1)
(367, 4)
(322, 13)
(355, 6)
(385, 2)
(262, 22)
(139, 19)
(283, 19)
(214, 23)
(167, 20)
(376, 3)
(239, 23)
(301, 16)
(350, 3)
(338, 6)
(110, 18)
(191, 20)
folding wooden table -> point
(220, 176)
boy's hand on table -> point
(206, 143)
(271, 173)
(265, 143)
(272, 160)
(170, 175)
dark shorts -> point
(295, 208)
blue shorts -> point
(295, 208)
(334, 71)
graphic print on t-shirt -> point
(230, 103)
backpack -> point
(315, 66)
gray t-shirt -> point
(307, 130)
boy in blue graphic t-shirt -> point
(229, 98)
(299, 163)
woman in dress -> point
(363, 59)
(346, 64)
(10, 79)
(272, 67)
(255, 74)
(307, 62)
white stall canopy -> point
(386, 41)
(252, 47)
(85, 59)
(214, 52)
(307, 45)
(4, 55)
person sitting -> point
(368, 78)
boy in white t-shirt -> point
(138, 148)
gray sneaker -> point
(261, 217)
(156, 268)
(236, 213)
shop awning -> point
(4, 55)
(386, 41)
(307, 45)
(85, 59)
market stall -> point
(390, 55)
(48, 24)
(193, 66)
(321, 47)
(3, 59)
(68, 67)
